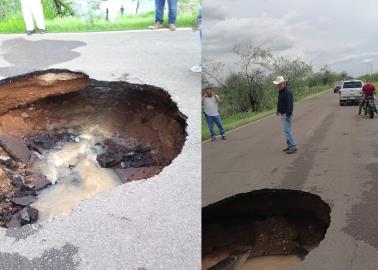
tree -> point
(63, 8)
(9, 9)
(254, 62)
(292, 70)
(213, 71)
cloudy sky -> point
(341, 34)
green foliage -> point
(55, 8)
(369, 77)
(9, 9)
(292, 70)
(75, 24)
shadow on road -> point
(51, 259)
(30, 55)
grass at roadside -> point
(74, 24)
(241, 119)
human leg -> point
(27, 14)
(37, 11)
(210, 124)
(172, 6)
(286, 126)
(361, 105)
(218, 122)
(159, 11)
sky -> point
(337, 33)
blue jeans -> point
(210, 122)
(172, 8)
(286, 122)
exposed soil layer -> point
(261, 223)
(24, 89)
(141, 128)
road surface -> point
(152, 224)
(337, 159)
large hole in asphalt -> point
(65, 137)
(263, 229)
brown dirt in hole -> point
(43, 102)
(18, 91)
(264, 222)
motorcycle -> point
(369, 107)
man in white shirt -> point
(210, 103)
(33, 9)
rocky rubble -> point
(46, 141)
(15, 209)
(115, 155)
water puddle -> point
(75, 175)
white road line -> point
(243, 126)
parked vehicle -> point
(350, 91)
(337, 87)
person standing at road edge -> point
(159, 14)
(33, 9)
(210, 102)
(285, 108)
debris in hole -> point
(7, 162)
(15, 147)
(46, 141)
(136, 131)
(38, 181)
(262, 223)
(114, 155)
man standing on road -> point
(172, 13)
(285, 109)
(210, 102)
(30, 9)
(368, 90)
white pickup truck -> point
(350, 91)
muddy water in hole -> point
(75, 174)
(271, 263)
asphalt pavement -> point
(337, 159)
(149, 224)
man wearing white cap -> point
(285, 109)
(30, 9)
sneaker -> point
(172, 27)
(197, 69)
(291, 150)
(41, 31)
(31, 32)
(286, 149)
(224, 137)
(213, 139)
(157, 25)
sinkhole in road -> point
(65, 137)
(263, 229)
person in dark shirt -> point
(368, 90)
(285, 109)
